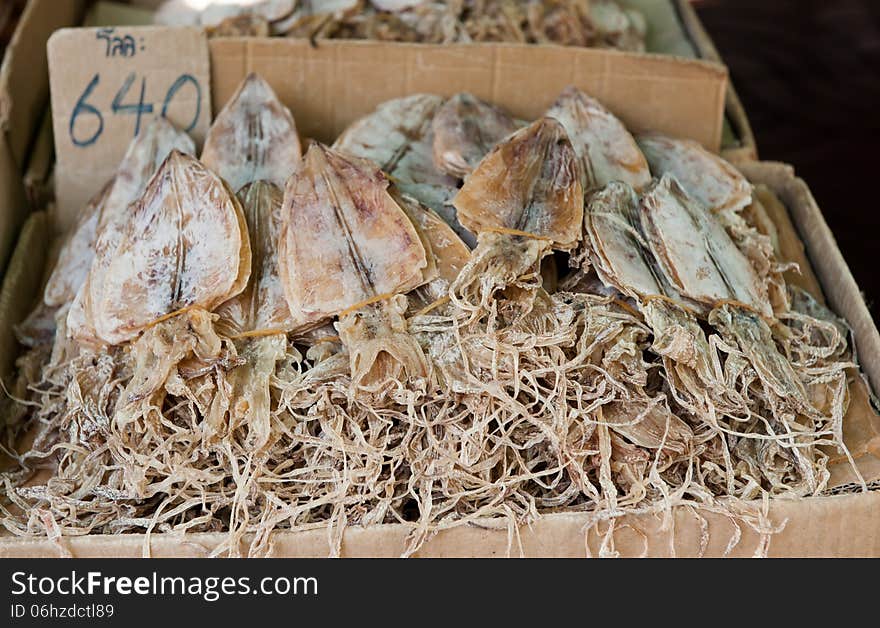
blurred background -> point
(808, 74)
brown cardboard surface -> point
(24, 84)
(37, 176)
(329, 86)
(839, 526)
(21, 285)
(24, 93)
(843, 525)
(12, 201)
(94, 104)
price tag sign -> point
(106, 84)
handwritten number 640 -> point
(84, 109)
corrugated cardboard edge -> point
(842, 525)
(37, 176)
(839, 526)
(22, 284)
(13, 205)
(24, 75)
(736, 113)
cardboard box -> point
(24, 94)
(328, 87)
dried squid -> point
(524, 199)
(68, 274)
(253, 138)
(398, 137)
(456, 384)
(706, 177)
(183, 252)
(347, 249)
(604, 146)
(144, 155)
(708, 268)
(617, 249)
(253, 143)
(465, 129)
(258, 319)
(446, 253)
(695, 252)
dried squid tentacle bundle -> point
(650, 424)
(795, 416)
(750, 334)
(604, 146)
(253, 137)
(398, 137)
(692, 365)
(465, 129)
(529, 187)
(250, 391)
(817, 348)
(501, 262)
(145, 154)
(385, 350)
(155, 357)
(346, 245)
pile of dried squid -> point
(448, 314)
(586, 23)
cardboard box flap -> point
(828, 526)
(23, 74)
(12, 201)
(330, 85)
(22, 285)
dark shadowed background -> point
(808, 73)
